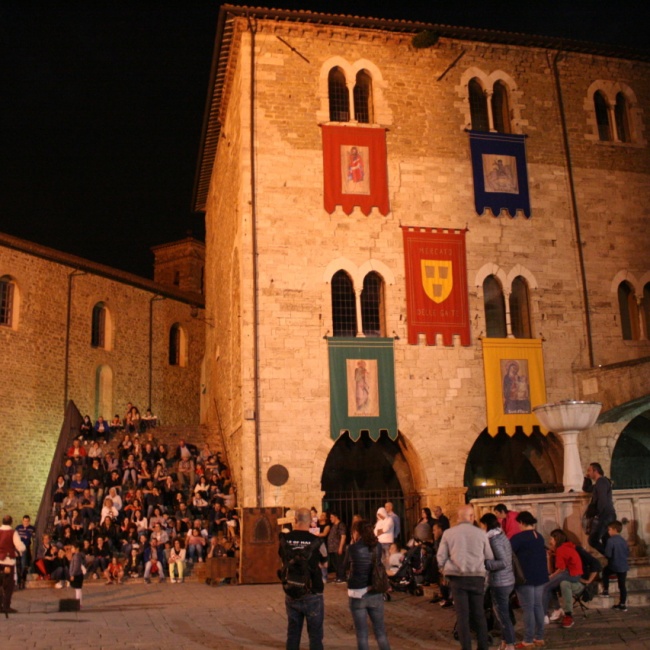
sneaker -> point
(108, 582)
(547, 620)
(621, 606)
(568, 621)
(522, 644)
(59, 585)
(557, 614)
(147, 581)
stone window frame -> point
(487, 82)
(381, 114)
(101, 327)
(11, 295)
(177, 355)
(506, 281)
(610, 92)
(638, 315)
(357, 276)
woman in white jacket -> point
(384, 530)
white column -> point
(572, 477)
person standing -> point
(77, 571)
(617, 553)
(507, 519)
(397, 527)
(364, 603)
(601, 510)
(384, 530)
(26, 532)
(336, 546)
(441, 518)
(528, 545)
(300, 557)
(10, 546)
(461, 556)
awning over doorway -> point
(362, 387)
(514, 384)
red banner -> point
(436, 284)
(354, 168)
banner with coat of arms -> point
(436, 284)
(500, 173)
(514, 384)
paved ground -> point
(193, 615)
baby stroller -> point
(406, 579)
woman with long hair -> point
(501, 578)
(362, 553)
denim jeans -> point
(370, 605)
(469, 595)
(554, 583)
(311, 608)
(531, 599)
(599, 535)
(501, 607)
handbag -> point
(379, 583)
(520, 577)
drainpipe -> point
(574, 209)
(66, 369)
(256, 362)
(151, 301)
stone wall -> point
(36, 353)
(421, 98)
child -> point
(616, 552)
(77, 571)
(114, 572)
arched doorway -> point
(360, 477)
(517, 464)
(631, 457)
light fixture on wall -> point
(195, 313)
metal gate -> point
(366, 502)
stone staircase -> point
(638, 586)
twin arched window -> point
(497, 324)
(371, 305)
(483, 119)
(613, 122)
(340, 100)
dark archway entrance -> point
(519, 464)
(360, 477)
(631, 457)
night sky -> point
(101, 107)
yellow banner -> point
(514, 384)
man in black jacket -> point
(309, 605)
(601, 507)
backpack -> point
(295, 573)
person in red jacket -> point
(568, 567)
(507, 519)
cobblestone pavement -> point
(193, 615)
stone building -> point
(296, 259)
(72, 329)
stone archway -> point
(631, 456)
(359, 477)
(514, 464)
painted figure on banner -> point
(516, 389)
(354, 179)
(500, 174)
(437, 279)
(363, 390)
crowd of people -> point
(138, 510)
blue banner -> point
(500, 173)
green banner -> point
(362, 387)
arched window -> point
(7, 296)
(478, 106)
(629, 312)
(495, 308)
(363, 98)
(177, 346)
(372, 301)
(500, 108)
(622, 118)
(646, 309)
(520, 309)
(344, 309)
(338, 96)
(602, 117)
(98, 336)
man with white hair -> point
(461, 558)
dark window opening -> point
(6, 302)
(344, 310)
(98, 333)
(500, 108)
(495, 308)
(372, 305)
(622, 121)
(602, 117)
(629, 313)
(175, 345)
(363, 98)
(520, 309)
(478, 107)
(338, 96)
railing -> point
(70, 429)
(495, 491)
